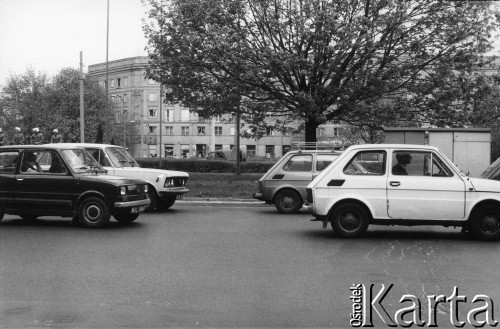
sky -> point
(48, 35)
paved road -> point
(218, 266)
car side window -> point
(8, 161)
(367, 163)
(299, 163)
(418, 163)
(44, 162)
(323, 160)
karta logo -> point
(367, 301)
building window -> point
(112, 84)
(118, 82)
(169, 115)
(153, 130)
(185, 115)
(251, 151)
(217, 118)
(285, 149)
(185, 130)
(218, 130)
(201, 130)
(152, 113)
(169, 130)
(269, 131)
(269, 151)
(336, 131)
(125, 81)
(169, 150)
(321, 131)
(232, 131)
(153, 97)
(185, 150)
(218, 147)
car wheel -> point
(166, 203)
(288, 201)
(93, 212)
(349, 220)
(29, 217)
(485, 223)
(126, 218)
(153, 200)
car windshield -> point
(81, 161)
(120, 157)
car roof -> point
(54, 146)
(330, 151)
(392, 146)
(87, 145)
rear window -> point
(8, 161)
(299, 163)
(367, 163)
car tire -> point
(126, 218)
(350, 220)
(29, 218)
(153, 200)
(288, 201)
(485, 223)
(93, 212)
(166, 203)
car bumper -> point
(173, 191)
(307, 208)
(128, 204)
(258, 196)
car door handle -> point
(394, 183)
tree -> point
(32, 100)
(313, 61)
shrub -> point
(206, 166)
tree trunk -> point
(310, 130)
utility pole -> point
(107, 64)
(237, 137)
(82, 123)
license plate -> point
(136, 210)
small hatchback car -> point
(402, 185)
(285, 183)
(55, 180)
(164, 185)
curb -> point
(220, 201)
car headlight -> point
(123, 190)
(169, 182)
(146, 188)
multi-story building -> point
(147, 126)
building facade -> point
(149, 127)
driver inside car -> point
(29, 163)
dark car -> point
(55, 180)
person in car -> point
(403, 159)
(29, 163)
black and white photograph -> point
(249, 164)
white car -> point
(400, 184)
(164, 185)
